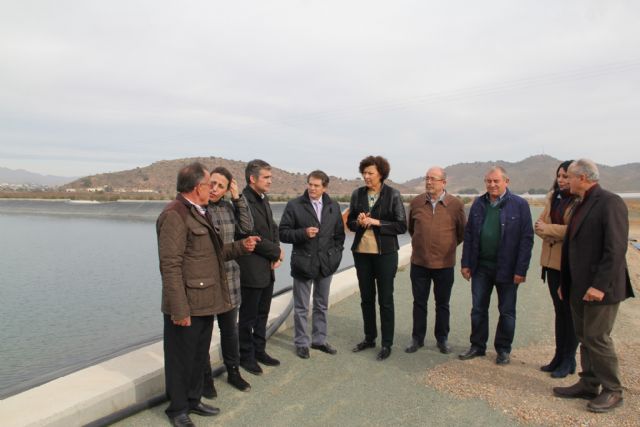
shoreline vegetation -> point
(534, 199)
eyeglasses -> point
(433, 178)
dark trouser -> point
(228, 325)
(482, 285)
(566, 340)
(421, 278)
(377, 272)
(252, 322)
(593, 324)
(186, 350)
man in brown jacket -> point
(436, 225)
(194, 289)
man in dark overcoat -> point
(595, 279)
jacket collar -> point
(503, 199)
(306, 199)
(194, 211)
(591, 198)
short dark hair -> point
(190, 176)
(318, 174)
(253, 169)
(224, 172)
(381, 164)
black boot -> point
(553, 365)
(566, 367)
(234, 378)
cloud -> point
(309, 84)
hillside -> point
(160, 177)
(532, 173)
(23, 177)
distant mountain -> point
(21, 176)
(533, 174)
(160, 177)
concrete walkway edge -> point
(133, 378)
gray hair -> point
(441, 170)
(190, 176)
(253, 169)
(587, 168)
(500, 169)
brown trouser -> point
(593, 325)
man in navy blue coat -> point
(496, 252)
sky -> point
(89, 87)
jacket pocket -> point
(200, 239)
(301, 263)
(200, 293)
(334, 258)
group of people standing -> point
(218, 256)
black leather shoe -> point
(471, 353)
(265, 359)
(204, 410)
(503, 358)
(444, 347)
(384, 353)
(302, 352)
(235, 379)
(209, 389)
(181, 420)
(252, 367)
(576, 391)
(606, 401)
(325, 348)
(363, 346)
(413, 346)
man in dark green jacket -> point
(496, 252)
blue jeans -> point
(482, 283)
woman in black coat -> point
(377, 216)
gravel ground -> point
(521, 391)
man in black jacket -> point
(313, 223)
(257, 271)
(595, 279)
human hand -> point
(250, 243)
(361, 217)
(182, 322)
(466, 273)
(233, 189)
(593, 294)
(312, 231)
(368, 222)
(541, 226)
(519, 279)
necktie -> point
(316, 206)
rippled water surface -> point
(80, 282)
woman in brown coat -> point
(551, 227)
